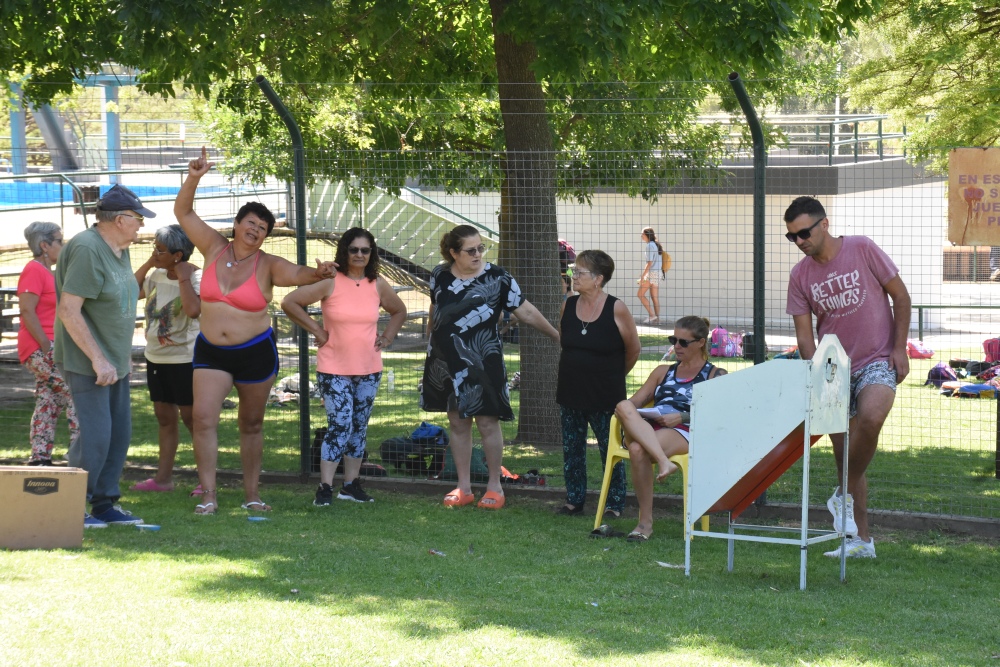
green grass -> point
(352, 584)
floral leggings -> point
(51, 396)
(348, 400)
(574, 429)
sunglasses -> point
(478, 250)
(134, 217)
(802, 233)
(674, 340)
(354, 250)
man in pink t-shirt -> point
(847, 282)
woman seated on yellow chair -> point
(654, 438)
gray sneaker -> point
(856, 548)
(834, 505)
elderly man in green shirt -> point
(97, 295)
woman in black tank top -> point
(600, 345)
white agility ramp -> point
(747, 428)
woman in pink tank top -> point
(236, 346)
(349, 354)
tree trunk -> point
(528, 231)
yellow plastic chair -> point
(617, 452)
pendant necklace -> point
(236, 262)
(593, 315)
(357, 283)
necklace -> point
(593, 317)
(357, 283)
(236, 262)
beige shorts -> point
(653, 278)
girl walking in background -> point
(649, 280)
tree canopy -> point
(936, 71)
(438, 80)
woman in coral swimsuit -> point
(236, 345)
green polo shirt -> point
(88, 268)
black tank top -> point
(591, 366)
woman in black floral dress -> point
(464, 374)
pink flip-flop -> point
(151, 485)
(197, 491)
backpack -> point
(940, 374)
(411, 457)
(976, 368)
(916, 349)
(665, 263)
(420, 453)
(748, 342)
(725, 344)
(991, 346)
(478, 470)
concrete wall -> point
(709, 237)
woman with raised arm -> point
(236, 346)
(660, 435)
(349, 354)
(464, 374)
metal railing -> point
(824, 134)
(102, 176)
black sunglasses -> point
(674, 340)
(803, 233)
(354, 250)
(478, 250)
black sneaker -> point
(353, 491)
(41, 462)
(324, 495)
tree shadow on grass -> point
(527, 570)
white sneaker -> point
(833, 504)
(856, 548)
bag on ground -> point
(412, 458)
(991, 347)
(725, 344)
(748, 343)
(479, 472)
(915, 349)
(940, 374)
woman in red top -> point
(236, 345)
(36, 296)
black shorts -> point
(252, 362)
(170, 383)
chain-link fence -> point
(937, 454)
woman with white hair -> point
(171, 286)
(36, 296)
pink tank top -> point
(247, 296)
(350, 315)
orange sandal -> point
(497, 501)
(457, 498)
